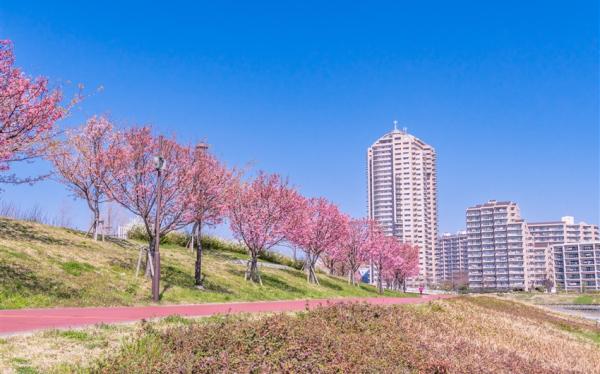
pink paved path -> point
(26, 320)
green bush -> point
(175, 237)
(278, 258)
(211, 242)
(463, 289)
(137, 233)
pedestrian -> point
(421, 290)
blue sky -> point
(506, 91)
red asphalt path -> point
(28, 320)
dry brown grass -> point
(463, 335)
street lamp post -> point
(159, 165)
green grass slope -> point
(43, 266)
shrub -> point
(176, 238)
(211, 242)
(137, 232)
(179, 238)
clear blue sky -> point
(506, 91)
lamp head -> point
(159, 162)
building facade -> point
(402, 194)
(577, 266)
(546, 234)
(451, 257)
(563, 231)
(498, 241)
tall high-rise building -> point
(402, 193)
(498, 244)
(451, 257)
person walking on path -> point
(421, 290)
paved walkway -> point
(27, 320)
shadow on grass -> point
(271, 281)
(175, 277)
(123, 263)
(214, 287)
(22, 232)
(17, 279)
(326, 282)
(295, 273)
(237, 272)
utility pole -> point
(159, 164)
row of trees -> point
(171, 186)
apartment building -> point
(563, 231)
(577, 266)
(541, 262)
(497, 242)
(402, 194)
(451, 257)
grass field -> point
(44, 266)
(591, 298)
(471, 334)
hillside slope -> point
(43, 266)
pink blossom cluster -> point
(28, 112)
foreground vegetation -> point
(43, 266)
(468, 335)
(462, 335)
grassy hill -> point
(42, 266)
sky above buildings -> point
(506, 91)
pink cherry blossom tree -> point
(379, 252)
(353, 248)
(404, 264)
(134, 183)
(28, 112)
(322, 227)
(259, 215)
(333, 260)
(207, 194)
(81, 163)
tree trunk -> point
(150, 259)
(379, 282)
(198, 268)
(96, 221)
(312, 275)
(192, 237)
(252, 273)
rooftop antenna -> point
(395, 125)
(405, 130)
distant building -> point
(451, 257)
(541, 263)
(577, 266)
(498, 240)
(563, 231)
(402, 194)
